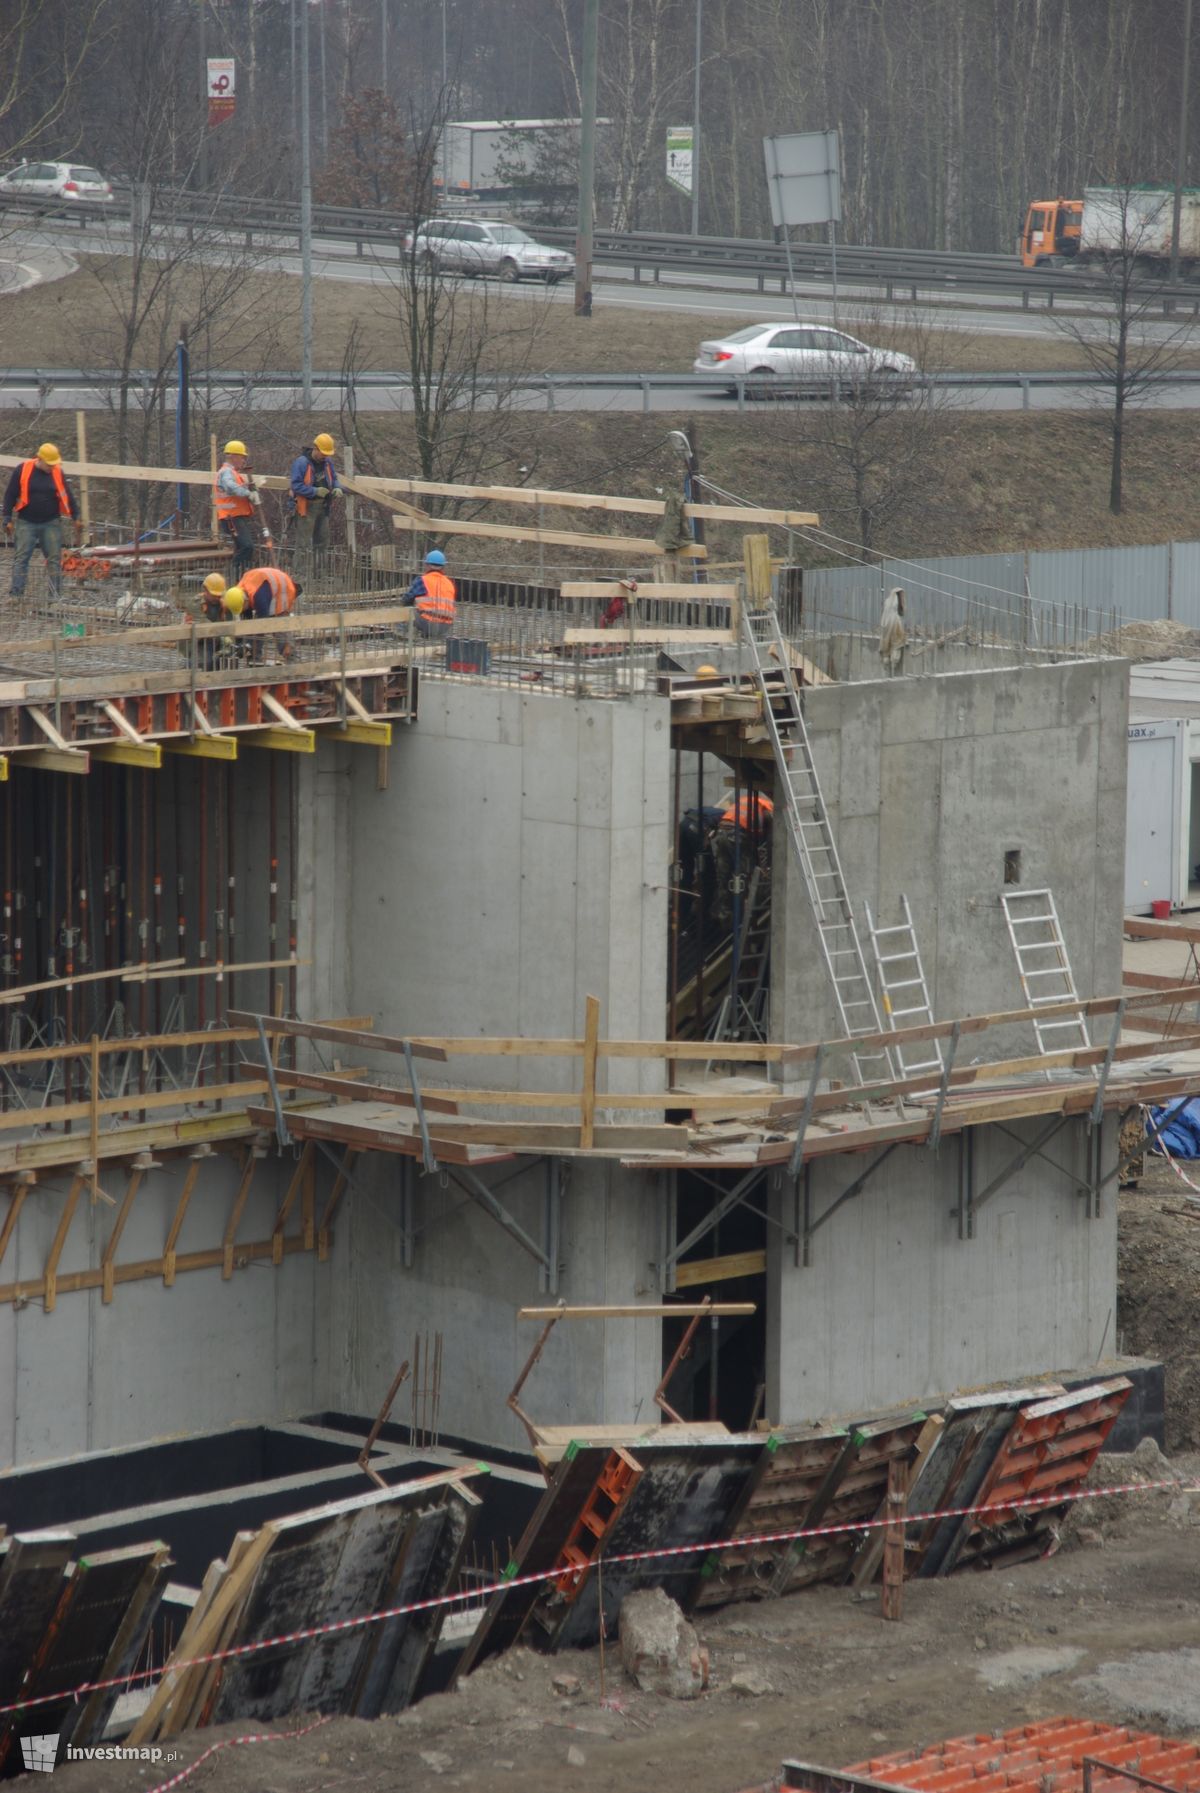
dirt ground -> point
(1106, 1628)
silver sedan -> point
(775, 358)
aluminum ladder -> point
(1043, 966)
(742, 1014)
(811, 838)
(903, 989)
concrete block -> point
(660, 1651)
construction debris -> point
(659, 1649)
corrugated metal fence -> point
(1022, 591)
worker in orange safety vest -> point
(750, 811)
(266, 591)
(237, 501)
(433, 593)
(39, 499)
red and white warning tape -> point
(184, 1774)
(1024, 1504)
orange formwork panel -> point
(1034, 1758)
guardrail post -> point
(637, 273)
(741, 394)
(645, 392)
(1024, 298)
(549, 392)
(1024, 393)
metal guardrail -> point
(551, 386)
(900, 272)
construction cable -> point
(572, 1576)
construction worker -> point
(267, 591)
(39, 497)
(314, 486)
(237, 502)
(433, 593)
(220, 603)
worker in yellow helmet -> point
(314, 487)
(40, 499)
(237, 500)
(219, 603)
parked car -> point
(802, 358)
(479, 246)
(72, 181)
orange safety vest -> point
(232, 507)
(60, 486)
(283, 591)
(749, 810)
(437, 606)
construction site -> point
(628, 1099)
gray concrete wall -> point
(203, 1353)
(895, 1306)
(467, 1280)
(928, 783)
(516, 863)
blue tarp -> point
(1181, 1132)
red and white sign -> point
(222, 78)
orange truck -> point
(1138, 220)
(1051, 233)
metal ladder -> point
(742, 1014)
(812, 838)
(903, 989)
(1043, 966)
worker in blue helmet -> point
(433, 593)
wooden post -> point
(892, 1600)
(587, 1098)
(756, 557)
(108, 1261)
(85, 484)
(351, 504)
(212, 459)
(94, 1118)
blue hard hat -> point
(435, 558)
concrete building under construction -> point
(357, 1002)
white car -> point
(774, 358)
(480, 246)
(70, 181)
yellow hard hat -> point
(48, 453)
(707, 672)
(215, 585)
(235, 600)
(324, 443)
(234, 447)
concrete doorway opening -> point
(724, 1374)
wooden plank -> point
(76, 1281)
(668, 1311)
(336, 1034)
(127, 974)
(205, 747)
(49, 1291)
(340, 1185)
(1142, 927)
(16, 1202)
(650, 637)
(235, 1214)
(350, 1085)
(587, 1100)
(51, 759)
(643, 546)
(1152, 980)
(198, 1638)
(108, 1260)
(181, 1208)
(126, 1104)
(720, 1269)
(892, 1600)
(147, 757)
(869, 1555)
(303, 1165)
(708, 593)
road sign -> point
(804, 178)
(679, 157)
(222, 79)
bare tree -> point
(1130, 347)
(877, 449)
(45, 49)
(471, 351)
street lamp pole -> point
(696, 123)
(306, 273)
(587, 162)
(1181, 159)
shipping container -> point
(481, 154)
(1162, 825)
(1139, 220)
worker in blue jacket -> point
(314, 489)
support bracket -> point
(551, 1224)
(730, 1199)
(282, 1136)
(1031, 1150)
(935, 1131)
(860, 1182)
(428, 1161)
(477, 1189)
